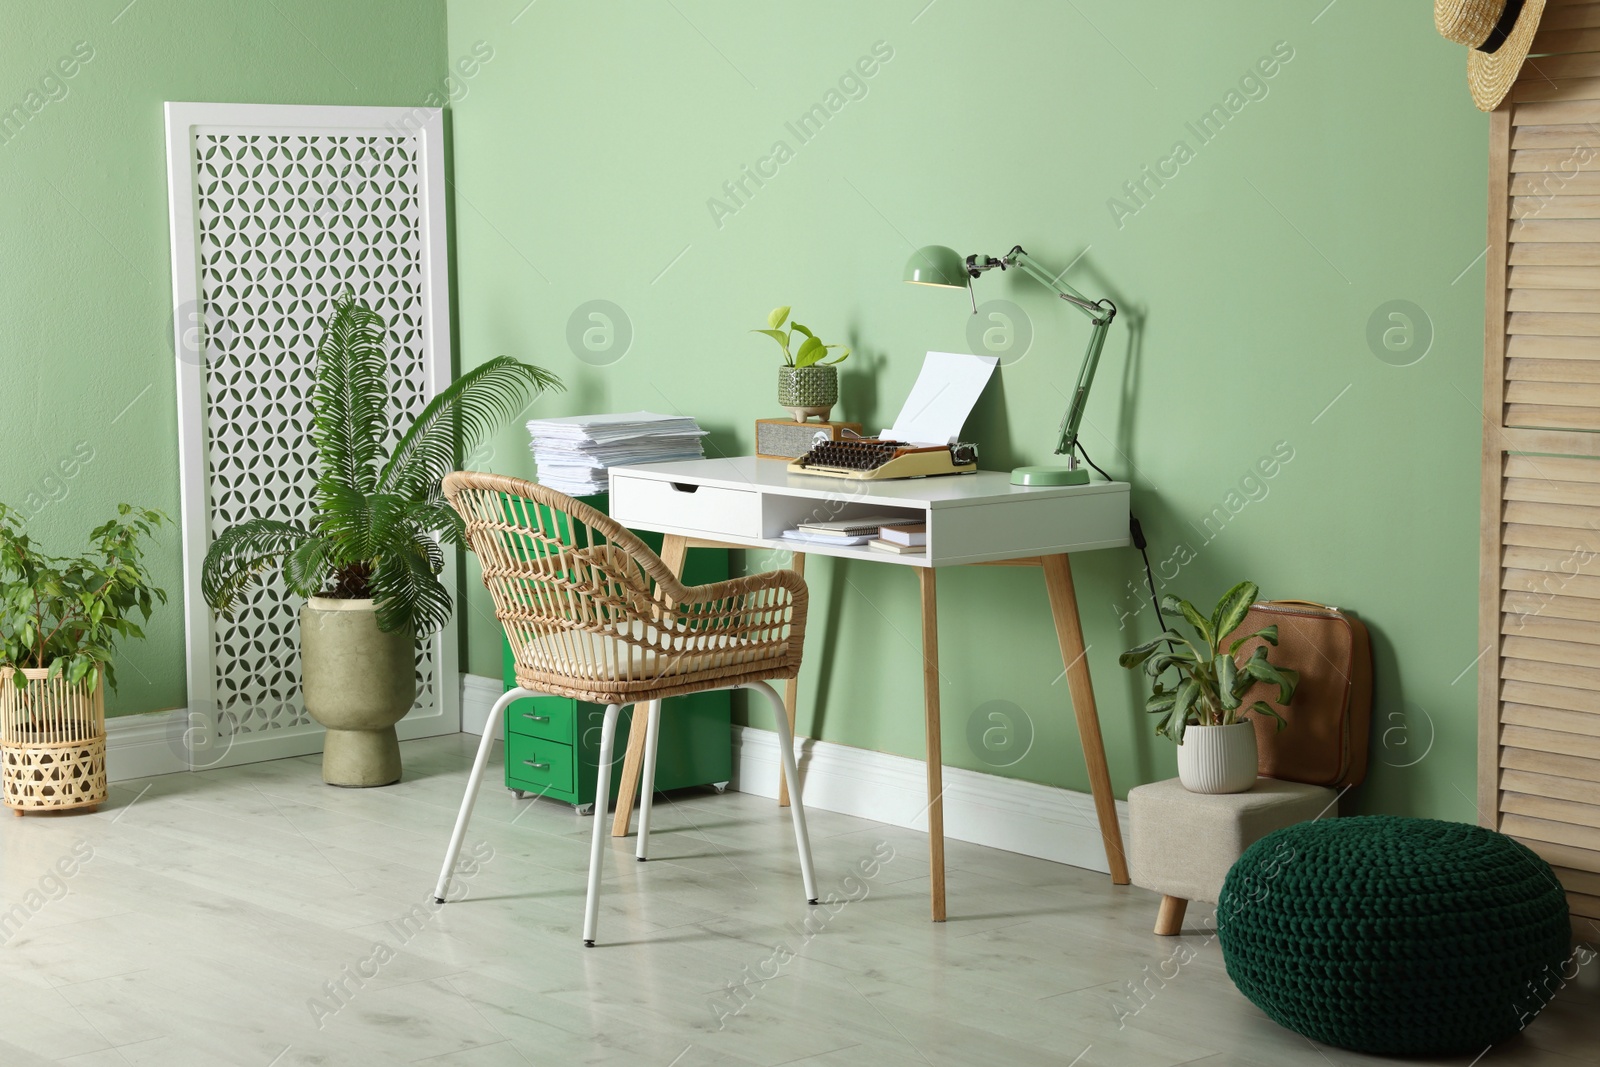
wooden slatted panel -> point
(1564, 253)
(1550, 809)
(1550, 832)
(1566, 89)
(1550, 696)
(1553, 370)
(1561, 744)
(1549, 763)
(1556, 277)
(1547, 785)
(1539, 696)
(1580, 726)
(1583, 906)
(1570, 17)
(1552, 584)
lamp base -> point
(1049, 476)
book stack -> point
(861, 531)
(573, 453)
(901, 540)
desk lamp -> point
(941, 266)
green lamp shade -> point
(937, 265)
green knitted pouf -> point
(1394, 936)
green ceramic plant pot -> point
(358, 682)
(808, 391)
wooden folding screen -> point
(1539, 679)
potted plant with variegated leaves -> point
(1202, 709)
(808, 381)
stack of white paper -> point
(573, 453)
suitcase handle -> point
(1304, 603)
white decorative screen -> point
(287, 208)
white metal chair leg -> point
(790, 775)
(602, 804)
(491, 730)
(647, 781)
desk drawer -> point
(551, 718)
(534, 764)
(707, 509)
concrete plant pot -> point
(357, 682)
(1218, 759)
(808, 391)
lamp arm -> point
(1100, 313)
(1095, 309)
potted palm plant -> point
(60, 620)
(369, 560)
(808, 381)
(1202, 710)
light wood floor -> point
(254, 916)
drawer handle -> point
(537, 766)
(535, 718)
(683, 487)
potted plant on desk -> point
(1202, 710)
(60, 619)
(369, 560)
(808, 381)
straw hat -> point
(1499, 34)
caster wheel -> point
(585, 809)
(720, 787)
(520, 794)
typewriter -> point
(875, 459)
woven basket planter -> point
(52, 743)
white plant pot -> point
(1218, 759)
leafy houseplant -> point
(60, 621)
(64, 615)
(808, 383)
(1210, 684)
(369, 561)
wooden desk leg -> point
(1069, 633)
(935, 746)
(673, 551)
(791, 692)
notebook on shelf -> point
(900, 550)
(863, 527)
(911, 535)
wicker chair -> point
(592, 613)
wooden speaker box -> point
(787, 439)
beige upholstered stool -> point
(1183, 843)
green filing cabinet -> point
(553, 743)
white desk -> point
(976, 518)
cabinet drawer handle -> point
(535, 718)
(683, 487)
(537, 766)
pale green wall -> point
(85, 280)
(586, 153)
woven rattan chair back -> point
(590, 611)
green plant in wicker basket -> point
(375, 531)
(1211, 683)
(811, 351)
(66, 613)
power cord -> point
(1136, 532)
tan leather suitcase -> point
(1330, 717)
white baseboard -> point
(478, 694)
(985, 809)
(138, 746)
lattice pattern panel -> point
(284, 223)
